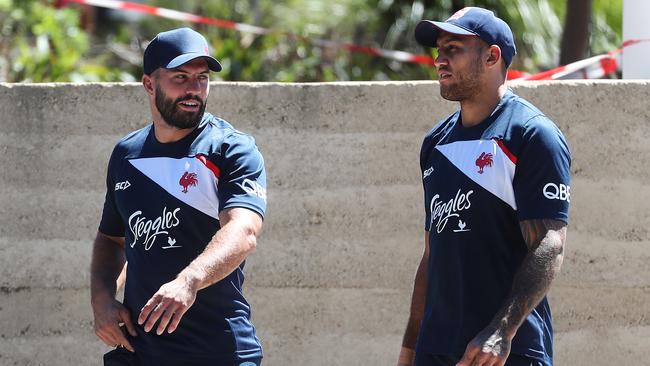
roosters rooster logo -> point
(483, 161)
(188, 179)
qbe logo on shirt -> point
(253, 188)
(560, 192)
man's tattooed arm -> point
(545, 240)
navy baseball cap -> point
(470, 21)
(176, 47)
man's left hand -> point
(169, 305)
(489, 348)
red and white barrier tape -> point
(166, 13)
(591, 68)
(248, 28)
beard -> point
(467, 83)
(175, 117)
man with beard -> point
(496, 185)
(184, 204)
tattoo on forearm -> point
(545, 240)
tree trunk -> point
(577, 31)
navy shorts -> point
(423, 359)
(122, 357)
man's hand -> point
(489, 348)
(545, 241)
(111, 320)
(169, 305)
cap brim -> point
(213, 64)
(427, 31)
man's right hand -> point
(111, 320)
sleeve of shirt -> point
(243, 183)
(543, 174)
(111, 223)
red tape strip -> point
(608, 65)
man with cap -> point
(496, 186)
(185, 201)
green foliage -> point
(33, 46)
(43, 44)
(537, 26)
(40, 43)
(607, 26)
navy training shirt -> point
(165, 200)
(479, 183)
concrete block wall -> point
(331, 279)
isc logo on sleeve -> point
(560, 192)
(122, 185)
